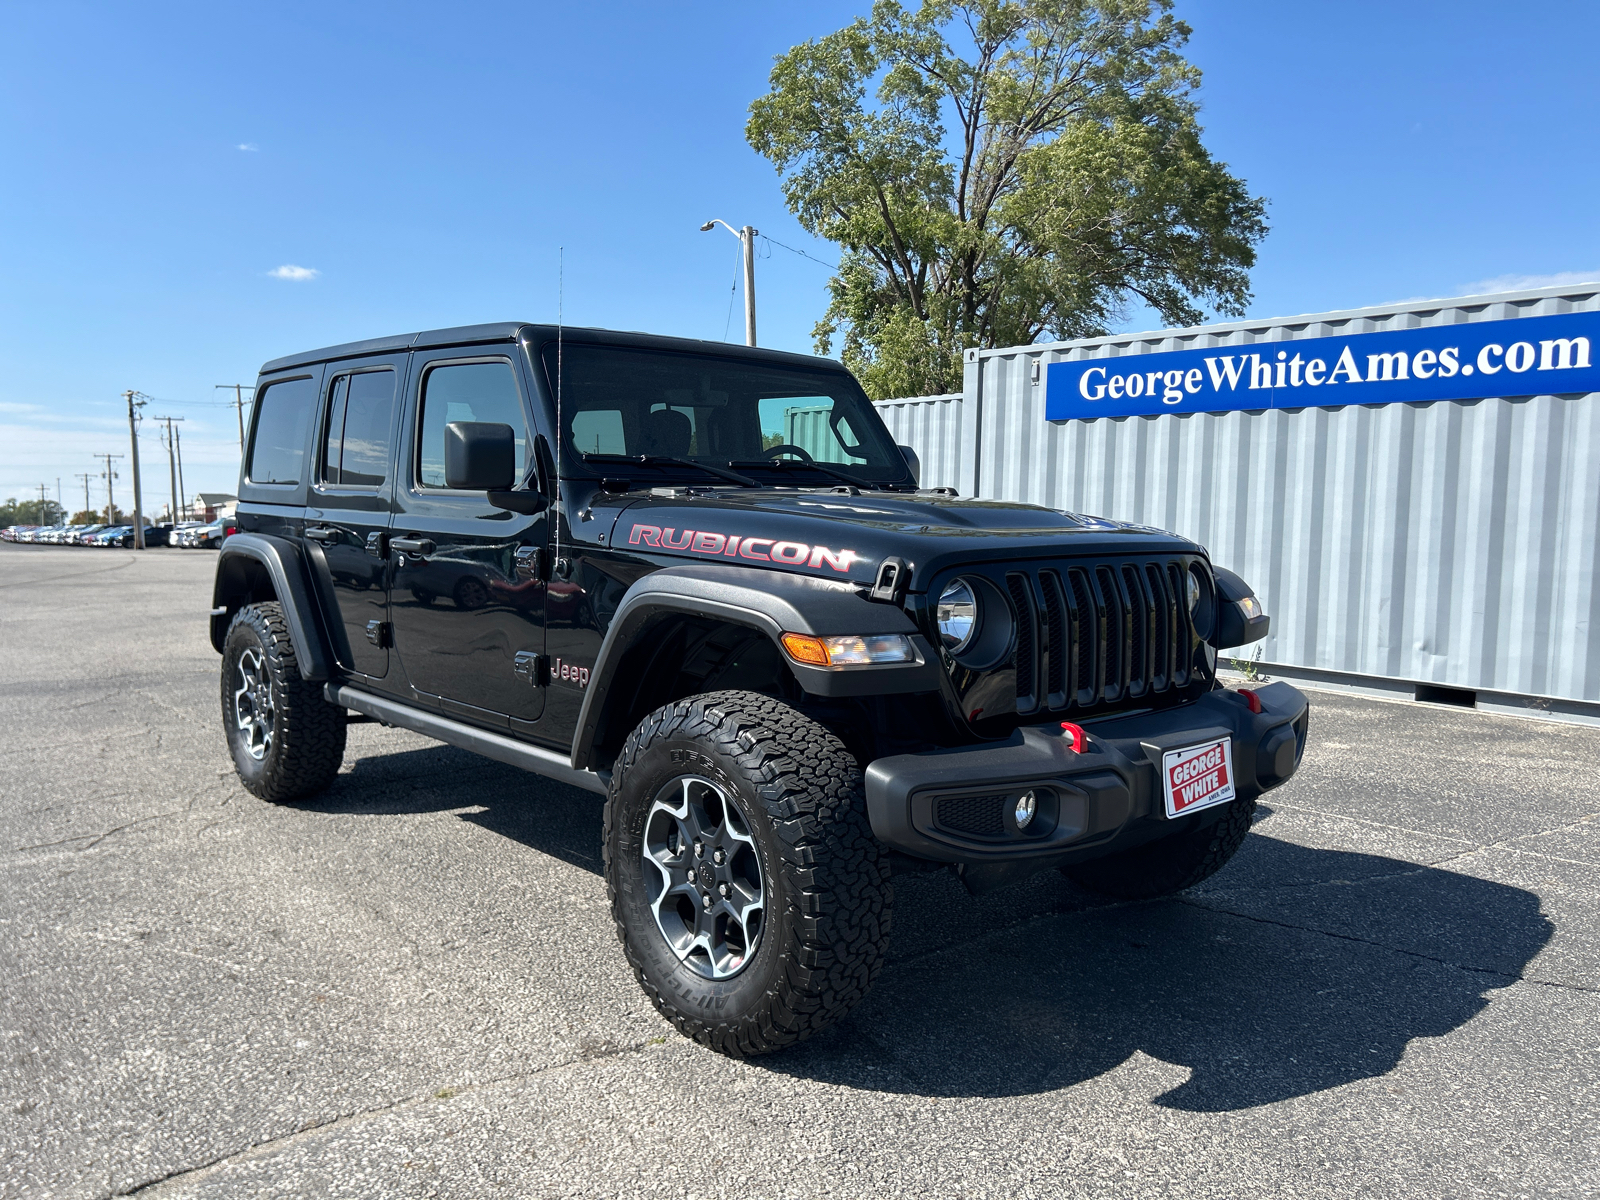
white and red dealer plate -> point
(1197, 777)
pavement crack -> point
(152, 1187)
(94, 839)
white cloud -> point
(250, 146)
(1518, 283)
(11, 406)
(293, 273)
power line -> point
(238, 402)
(801, 253)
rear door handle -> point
(421, 547)
(321, 533)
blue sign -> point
(1528, 356)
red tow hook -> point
(1080, 740)
(1251, 699)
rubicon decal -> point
(754, 549)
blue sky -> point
(426, 162)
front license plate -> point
(1197, 777)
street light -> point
(747, 243)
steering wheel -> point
(784, 448)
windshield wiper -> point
(661, 460)
(787, 464)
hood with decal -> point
(841, 536)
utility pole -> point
(42, 521)
(747, 251)
(178, 441)
(748, 236)
(138, 498)
(238, 403)
(86, 477)
(172, 462)
(109, 476)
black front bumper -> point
(956, 805)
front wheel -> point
(1171, 864)
(751, 898)
(287, 741)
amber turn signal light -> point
(806, 649)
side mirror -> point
(913, 462)
(1240, 617)
(479, 456)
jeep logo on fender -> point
(717, 545)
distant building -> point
(208, 506)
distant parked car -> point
(86, 533)
(13, 533)
(183, 534)
(109, 536)
(212, 536)
(152, 537)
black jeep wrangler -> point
(703, 582)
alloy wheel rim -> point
(253, 709)
(702, 875)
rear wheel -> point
(1170, 865)
(750, 895)
(287, 741)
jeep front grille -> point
(1099, 634)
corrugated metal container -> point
(930, 425)
(1453, 542)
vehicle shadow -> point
(552, 818)
(1292, 971)
(1295, 971)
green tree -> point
(1023, 168)
(30, 512)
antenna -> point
(561, 296)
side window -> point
(466, 392)
(360, 416)
(283, 416)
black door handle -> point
(321, 533)
(421, 547)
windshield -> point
(769, 421)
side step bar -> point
(480, 741)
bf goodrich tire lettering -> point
(828, 896)
(287, 741)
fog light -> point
(1027, 805)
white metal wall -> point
(930, 425)
(1454, 542)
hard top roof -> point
(512, 331)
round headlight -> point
(1202, 602)
(958, 616)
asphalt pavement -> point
(410, 985)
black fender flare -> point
(286, 567)
(772, 602)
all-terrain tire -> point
(1171, 864)
(307, 733)
(826, 876)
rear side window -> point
(360, 416)
(467, 392)
(283, 417)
